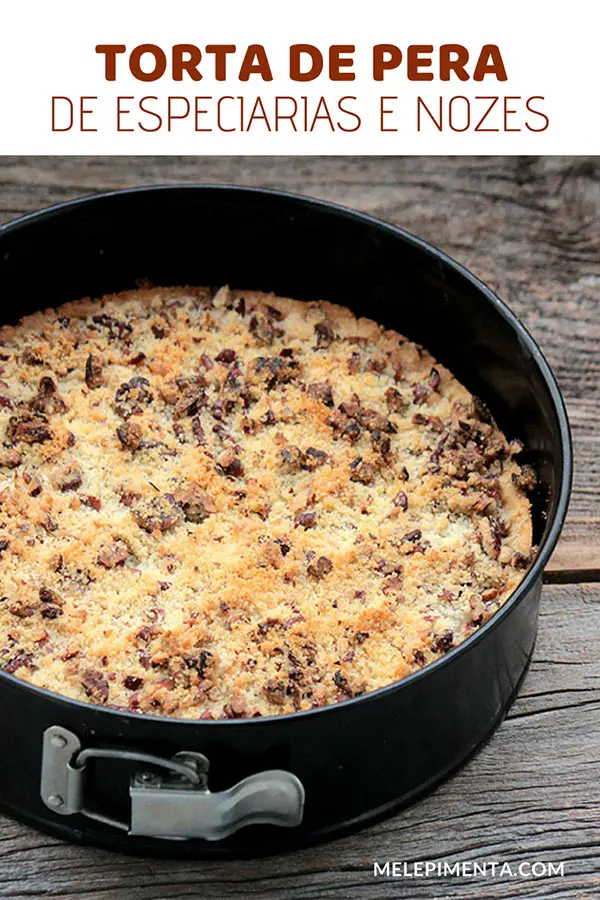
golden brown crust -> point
(234, 504)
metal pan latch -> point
(174, 802)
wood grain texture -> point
(527, 226)
(532, 793)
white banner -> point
(264, 77)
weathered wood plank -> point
(527, 226)
(532, 793)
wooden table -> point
(529, 227)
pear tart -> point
(227, 504)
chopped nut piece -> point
(159, 329)
(31, 358)
(192, 396)
(195, 503)
(93, 372)
(443, 642)
(420, 393)
(275, 691)
(263, 328)
(381, 443)
(273, 371)
(22, 611)
(117, 330)
(320, 568)
(391, 585)
(226, 356)
(313, 458)
(352, 431)
(236, 708)
(350, 408)
(198, 431)
(158, 514)
(21, 660)
(376, 364)
(434, 380)
(51, 612)
(49, 596)
(321, 390)
(307, 518)
(268, 418)
(47, 399)
(354, 363)
(292, 457)
(28, 428)
(133, 396)
(240, 306)
(362, 471)
(525, 479)
(491, 534)
(10, 459)
(394, 400)
(477, 609)
(374, 421)
(129, 498)
(115, 554)
(520, 560)
(325, 336)
(130, 435)
(95, 685)
(401, 500)
(230, 464)
(68, 477)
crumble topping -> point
(231, 504)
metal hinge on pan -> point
(173, 802)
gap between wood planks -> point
(571, 576)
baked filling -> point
(229, 504)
